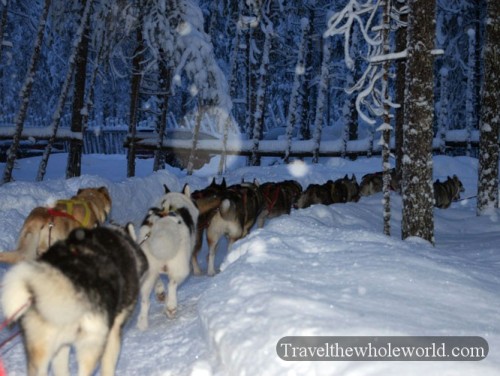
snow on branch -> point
(367, 15)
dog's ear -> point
(103, 189)
(130, 230)
(346, 177)
(353, 177)
(166, 189)
(186, 190)
(213, 183)
(223, 184)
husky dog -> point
(45, 225)
(351, 188)
(372, 183)
(208, 201)
(278, 199)
(316, 194)
(167, 237)
(237, 213)
(79, 294)
(446, 192)
(332, 192)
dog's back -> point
(46, 225)
(242, 203)
(315, 194)
(79, 293)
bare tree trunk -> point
(306, 100)
(24, 94)
(56, 117)
(3, 22)
(320, 104)
(417, 184)
(386, 128)
(260, 98)
(298, 82)
(470, 107)
(443, 110)
(400, 94)
(134, 100)
(487, 195)
(223, 155)
(165, 83)
(74, 165)
(196, 133)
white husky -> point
(167, 237)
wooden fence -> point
(179, 142)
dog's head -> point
(181, 204)
(99, 198)
(210, 197)
(457, 185)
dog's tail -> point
(11, 257)
(227, 209)
(39, 284)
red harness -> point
(271, 201)
(59, 213)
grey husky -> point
(447, 192)
(167, 237)
(79, 293)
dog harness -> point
(271, 197)
(68, 213)
(69, 210)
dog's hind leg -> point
(211, 256)
(60, 362)
(262, 218)
(171, 306)
(160, 290)
(89, 346)
(113, 345)
(196, 250)
(178, 270)
(146, 288)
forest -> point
(413, 78)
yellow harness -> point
(69, 204)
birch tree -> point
(25, 94)
(487, 195)
(321, 101)
(298, 82)
(135, 84)
(470, 106)
(261, 94)
(3, 23)
(417, 184)
(56, 117)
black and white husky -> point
(167, 237)
(79, 293)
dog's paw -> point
(171, 312)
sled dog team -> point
(76, 282)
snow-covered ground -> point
(324, 270)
